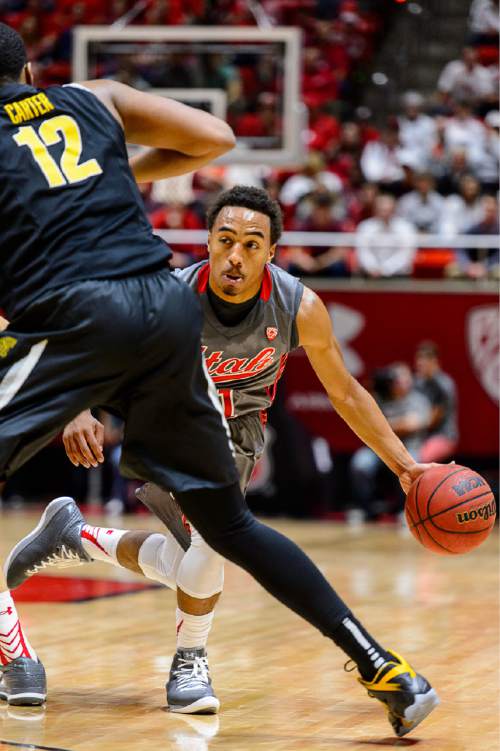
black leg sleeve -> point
(223, 519)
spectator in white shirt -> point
(312, 176)
(466, 79)
(423, 206)
(417, 132)
(380, 160)
(462, 211)
(392, 257)
(462, 131)
(484, 21)
(488, 168)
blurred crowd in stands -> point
(432, 167)
(421, 407)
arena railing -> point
(343, 239)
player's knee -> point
(201, 572)
(222, 518)
(159, 558)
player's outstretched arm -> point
(3, 323)
(182, 138)
(353, 402)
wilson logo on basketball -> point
(237, 368)
(484, 512)
(271, 333)
(464, 486)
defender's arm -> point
(182, 138)
(353, 403)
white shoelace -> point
(188, 671)
(62, 558)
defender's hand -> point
(83, 440)
(408, 477)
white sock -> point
(192, 630)
(101, 542)
(13, 642)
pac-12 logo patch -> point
(271, 332)
(484, 347)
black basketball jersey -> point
(69, 205)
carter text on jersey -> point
(29, 108)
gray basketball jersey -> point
(246, 361)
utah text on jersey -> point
(247, 360)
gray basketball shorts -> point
(247, 435)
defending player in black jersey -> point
(254, 314)
(84, 284)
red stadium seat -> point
(431, 262)
(488, 54)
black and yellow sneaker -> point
(408, 696)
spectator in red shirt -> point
(319, 76)
(336, 55)
(262, 122)
(361, 204)
(179, 216)
(347, 152)
(324, 128)
(167, 12)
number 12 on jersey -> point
(70, 170)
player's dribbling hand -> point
(408, 477)
(83, 440)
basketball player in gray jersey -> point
(254, 315)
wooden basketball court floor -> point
(281, 684)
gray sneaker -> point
(23, 682)
(165, 507)
(189, 689)
(55, 541)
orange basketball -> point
(450, 509)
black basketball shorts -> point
(131, 346)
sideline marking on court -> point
(29, 746)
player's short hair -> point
(13, 56)
(248, 197)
